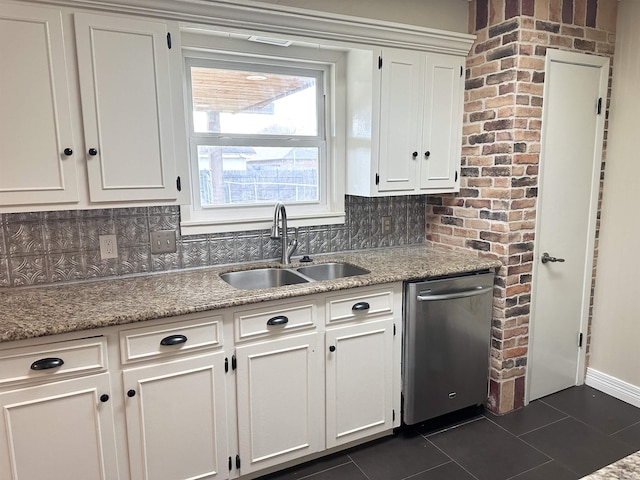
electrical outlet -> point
(163, 241)
(386, 225)
(108, 247)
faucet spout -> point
(279, 231)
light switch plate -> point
(163, 241)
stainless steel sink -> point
(331, 271)
(262, 278)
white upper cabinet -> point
(125, 87)
(37, 164)
(127, 130)
(419, 118)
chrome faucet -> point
(279, 232)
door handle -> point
(548, 258)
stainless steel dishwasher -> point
(446, 344)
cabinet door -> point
(280, 401)
(359, 381)
(176, 420)
(34, 109)
(442, 122)
(123, 66)
(400, 117)
(58, 431)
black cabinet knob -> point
(104, 398)
(93, 152)
(131, 393)
(68, 152)
(414, 154)
(427, 154)
(332, 348)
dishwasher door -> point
(446, 345)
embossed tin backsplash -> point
(49, 247)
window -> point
(258, 135)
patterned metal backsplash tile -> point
(48, 247)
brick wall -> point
(494, 212)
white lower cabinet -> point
(176, 419)
(59, 431)
(280, 401)
(359, 381)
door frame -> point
(602, 63)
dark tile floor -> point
(564, 436)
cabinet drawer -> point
(53, 360)
(360, 305)
(274, 319)
(169, 339)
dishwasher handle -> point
(451, 296)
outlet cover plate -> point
(163, 241)
(386, 225)
(108, 246)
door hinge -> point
(169, 40)
(456, 178)
(379, 62)
(234, 363)
(580, 340)
(179, 184)
(599, 105)
(230, 463)
(238, 462)
(377, 179)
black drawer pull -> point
(360, 307)
(173, 340)
(47, 363)
(278, 320)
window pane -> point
(253, 103)
(252, 175)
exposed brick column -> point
(494, 212)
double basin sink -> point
(277, 277)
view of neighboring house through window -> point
(257, 131)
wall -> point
(616, 321)
(48, 247)
(494, 213)
(441, 14)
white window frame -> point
(331, 179)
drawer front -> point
(274, 320)
(360, 305)
(53, 360)
(171, 339)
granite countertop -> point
(626, 469)
(54, 309)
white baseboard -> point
(613, 386)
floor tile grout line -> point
(533, 468)
(449, 457)
(452, 427)
(625, 428)
(311, 475)
(358, 467)
(529, 431)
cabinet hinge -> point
(379, 62)
(580, 340)
(230, 463)
(377, 179)
(393, 415)
(599, 105)
(226, 367)
(238, 462)
(456, 179)
(179, 184)
(461, 70)
(394, 329)
(169, 40)
(234, 363)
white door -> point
(400, 117)
(176, 423)
(566, 216)
(38, 159)
(123, 66)
(359, 381)
(58, 431)
(442, 122)
(280, 401)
